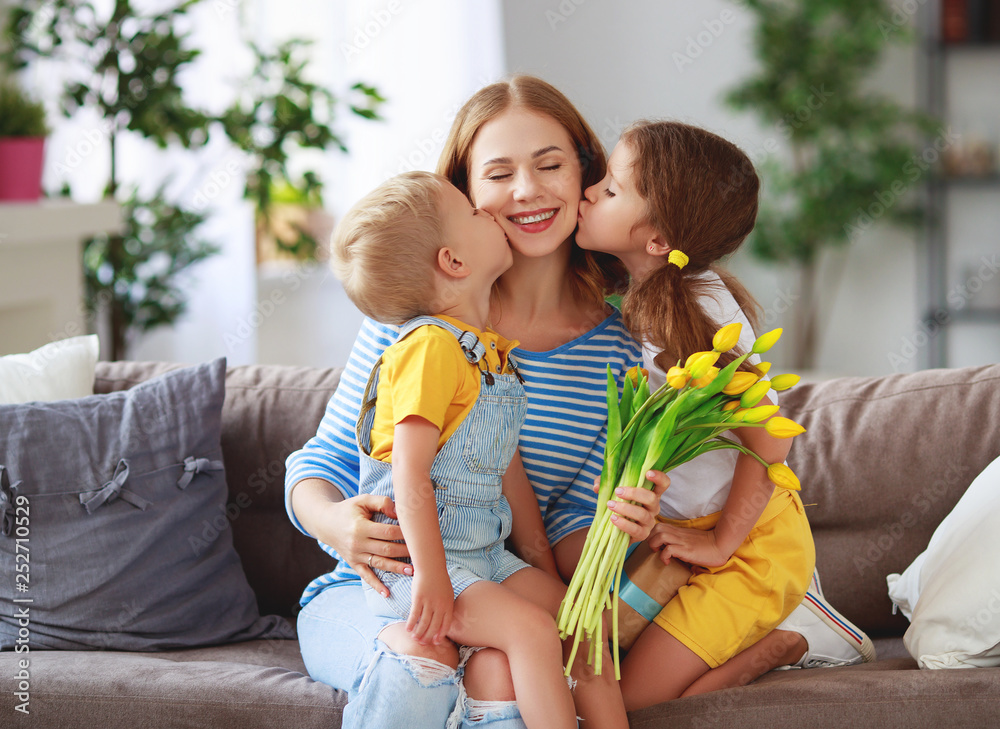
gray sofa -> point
(883, 461)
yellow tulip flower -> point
(740, 382)
(783, 382)
(731, 405)
(633, 374)
(703, 360)
(727, 337)
(759, 414)
(783, 428)
(755, 394)
(764, 367)
(766, 341)
(706, 379)
(710, 357)
(781, 475)
(677, 377)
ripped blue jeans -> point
(338, 637)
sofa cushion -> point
(57, 371)
(883, 461)
(951, 591)
(270, 411)
(112, 494)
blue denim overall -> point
(474, 515)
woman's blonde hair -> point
(384, 251)
(594, 274)
(701, 197)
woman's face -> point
(524, 170)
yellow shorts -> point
(722, 610)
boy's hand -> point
(432, 608)
(696, 546)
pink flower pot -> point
(21, 167)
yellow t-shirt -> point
(427, 374)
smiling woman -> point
(523, 154)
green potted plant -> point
(22, 143)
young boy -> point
(442, 440)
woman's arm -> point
(321, 478)
(527, 531)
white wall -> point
(621, 61)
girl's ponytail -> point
(663, 311)
(701, 197)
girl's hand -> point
(637, 519)
(432, 609)
(696, 546)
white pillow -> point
(62, 370)
(951, 592)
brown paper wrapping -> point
(660, 581)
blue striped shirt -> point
(561, 443)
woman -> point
(523, 153)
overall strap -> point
(473, 349)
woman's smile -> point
(534, 221)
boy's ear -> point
(450, 264)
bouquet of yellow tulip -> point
(661, 430)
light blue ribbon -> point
(637, 599)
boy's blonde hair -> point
(384, 251)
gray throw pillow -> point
(104, 502)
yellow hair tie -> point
(678, 258)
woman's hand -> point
(637, 519)
(347, 526)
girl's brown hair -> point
(594, 274)
(701, 197)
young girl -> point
(438, 433)
(675, 200)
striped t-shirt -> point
(561, 443)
